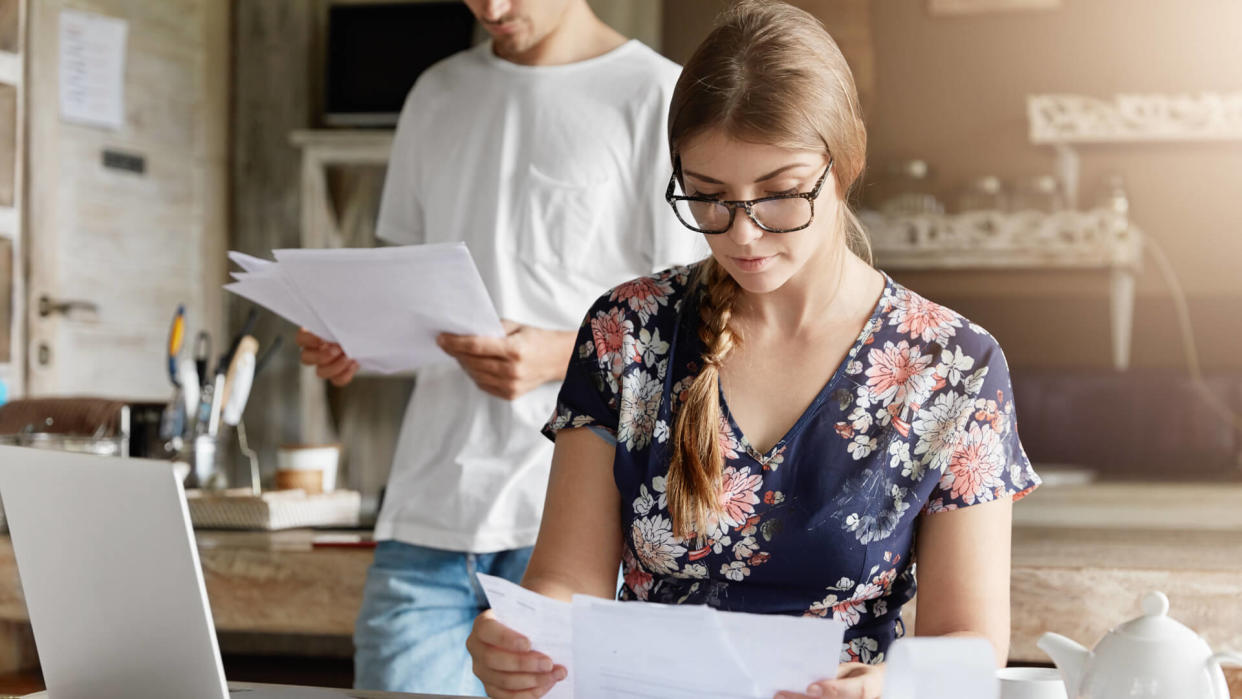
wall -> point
(952, 91)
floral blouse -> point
(918, 419)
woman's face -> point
(713, 164)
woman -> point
(781, 428)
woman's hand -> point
(328, 358)
(854, 681)
(505, 663)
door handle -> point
(48, 306)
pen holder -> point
(205, 472)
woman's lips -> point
(752, 264)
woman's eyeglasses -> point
(783, 213)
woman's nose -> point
(744, 230)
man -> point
(544, 151)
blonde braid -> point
(697, 462)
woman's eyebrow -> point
(770, 175)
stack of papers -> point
(941, 668)
(634, 649)
(383, 306)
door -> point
(125, 224)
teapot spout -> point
(1069, 656)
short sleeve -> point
(400, 219)
(980, 458)
(589, 394)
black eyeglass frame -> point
(745, 205)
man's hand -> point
(508, 367)
(328, 358)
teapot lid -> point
(1155, 624)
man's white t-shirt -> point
(554, 178)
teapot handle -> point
(1225, 658)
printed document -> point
(384, 306)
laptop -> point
(112, 580)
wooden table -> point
(1083, 556)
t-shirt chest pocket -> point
(564, 216)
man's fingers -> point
(334, 368)
(477, 345)
(347, 376)
(496, 369)
(308, 340)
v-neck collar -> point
(869, 328)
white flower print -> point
(862, 446)
(644, 502)
(661, 431)
(899, 450)
(640, 402)
(735, 570)
(860, 419)
(939, 427)
(745, 548)
(862, 650)
(655, 544)
(953, 364)
(660, 485)
(650, 347)
(974, 383)
(854, 367)
(692, 571)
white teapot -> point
(1151, 656)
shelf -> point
(1098, 239)
(1072, 119)
(10, 68)
(1094, 239)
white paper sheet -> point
(385, 306)
(636, 650)
(545, 622)
(92, 68)
(940, 668)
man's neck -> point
(579, 36)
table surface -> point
(1083, 556)
(317, 692)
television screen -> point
(376, 51)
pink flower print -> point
(609, 330)
(897, 371)
(644, 295)
(636, 578)
(738, 497)
(845, 429)
(976, 466)
(924, 320)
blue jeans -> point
(417, 609)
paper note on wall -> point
(92, 68)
